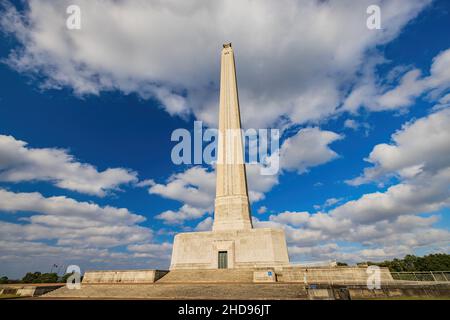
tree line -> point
(411, 263)
(38, 277)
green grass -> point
(9, 296)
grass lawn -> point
(9, 296)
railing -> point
(358, 275)
(422, 276)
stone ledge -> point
(123, 276)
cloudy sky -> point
(86, 117)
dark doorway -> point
(223, 259)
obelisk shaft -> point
(231, 205)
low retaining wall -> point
(360, 292)
(30, 290)
(347, 275)
(401, 290)
(123, 276)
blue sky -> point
(86, 116)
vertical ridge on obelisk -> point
(232, 210)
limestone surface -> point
(232, 243)
(245, 248)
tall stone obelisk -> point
(233, 242)
(232, 204)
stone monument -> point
(253, 255)
(233, 242)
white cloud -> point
(426, 193)
(18, 163)
(69, 222)
(314, 236)
(332, 201)
(403, 95)
(316, 251)
(205, 225)
(63, 229)
(195, 187)
(444, 102)
(376, 97)
(307, 234)
(19, 257)
(262, 210)
(328, 203)
(420, 146)
(186, 212)
(147, 43)
(382, 225)
(354, 125)
(351, 124)
(259, 184)
(292, 218)
(308, 148)
(350, 254)
(145, 183)
(151, 250)
(63, 207)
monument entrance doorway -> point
(223, 259)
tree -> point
(4, 280)
(48, 278)
(31, 277)
(411, 263)
(38, 277)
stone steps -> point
(182, 291)
(208, 276)
(244, 291)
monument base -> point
(265, 247)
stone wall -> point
(391, 291)
(401, 290)
(329, 275)
(29, 290)
(123, 276)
